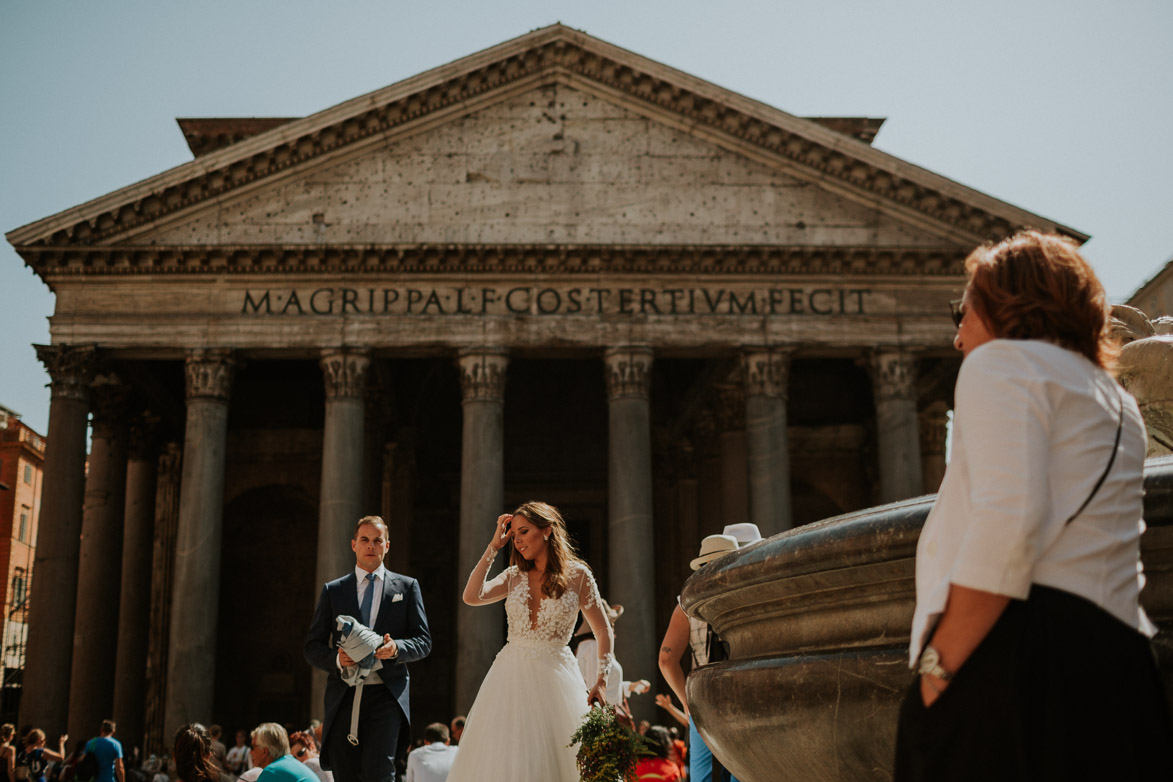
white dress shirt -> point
(430, 763)
(1033, 430)
(588, 663)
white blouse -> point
(1033, 429)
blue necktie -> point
(368, 599)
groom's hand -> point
(344, 658)
(388, 650)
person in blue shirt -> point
(270, 751)
(107, 750)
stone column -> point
(479, 633)
(934, 421)
(95, 627)
(897, 428)
(155, 741)
(710, 489)
(340, 504)
(767, 374)
(191, 656)
(734, 458)
(135, 604)
(687, 507)
(630, 534)
(53, 596)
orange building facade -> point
(22, 453)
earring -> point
(545, 537)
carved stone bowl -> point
(818, 618)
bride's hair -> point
(560, 552)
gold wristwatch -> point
(930, 663)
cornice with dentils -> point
(836, 161)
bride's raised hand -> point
(503, 532)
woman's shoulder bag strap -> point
(1108, 469)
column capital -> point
(894, 374)
(110, 401)
(629, 371)
(482, 374)
(766, 371)
(209, 374)
(344, 372)
(71, 367)
(729, 405)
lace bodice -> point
(542, 619)
(555, 617)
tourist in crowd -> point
(457, 728)
(586, 653)
(659, 766)
(7, 752)
(191, 752)
(33, 759)
(304, 747)
(107, 752)
(665, 703)
(270, 752)
(1028, 635)
(686, 633)
(219, 751)
(431, 762)
(236, 759)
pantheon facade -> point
(553, 269)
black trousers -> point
(379, 722)
(1058, 690)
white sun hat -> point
(745, 533)
(714, 546)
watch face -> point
(929, 659)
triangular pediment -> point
(553, 165)
(739, 136)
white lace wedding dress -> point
(533, 697)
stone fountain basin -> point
(818, 618)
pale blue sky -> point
(1063, 108)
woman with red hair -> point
(1029, 641)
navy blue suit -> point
(385, 710)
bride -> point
(533, 697)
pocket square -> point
(398, 596)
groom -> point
(391, 605)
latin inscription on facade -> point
(536, 300)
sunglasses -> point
(956, 311)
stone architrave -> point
(344, 373)
(730, 405)
(934, 421)
(897, 426)
(155, 740)
(631, 544)
(49, 650)
(135, 603)
(482, 496)
(95, 626)
(766, 374)
(191, 663)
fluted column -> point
(631, 550)
(767, 377)
(341, 496)
(482, 496)
(934, 421)
(135, 603)
(155, 741)
(191, 664)
(95, 627)
(731, 437)
(685, 464)
(53, 594)
(897, 427)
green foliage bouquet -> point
(608, 749)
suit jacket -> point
(404, 620)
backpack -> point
(87, 767)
